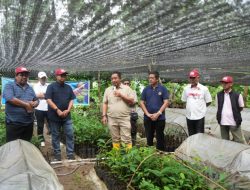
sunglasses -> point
(126, 83)
(192, 78)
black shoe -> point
(71, 157)
(57, 157)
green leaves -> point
(88, 128)
(2, 128)
(156, 172)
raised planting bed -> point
(109, 179)
(86, 151)
(147, 169)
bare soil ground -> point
(72, 176)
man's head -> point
(194, 77)
(61, 75)
(22, 75)
(227, 82)
(126, 82)
(42, 77)
(153, 77)
(116, 78)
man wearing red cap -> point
(60, 98)
(230, 104)
(197, 98)
(20, 103)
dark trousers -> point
(195, 126)
(133, 131)
(155, 126)
(14, 132)
(40, 117)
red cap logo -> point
(60, 71)
(194, 73)
(21, 70)
(227, 79)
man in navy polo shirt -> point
(20, 103)
(60, 98)
(154, 101)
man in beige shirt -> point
(116, 111)
(133, 114)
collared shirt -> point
(227, 117)
(154, 99)
(39, 88)
(61, 95)
(196, 99)
(117, 107)
(15, 114)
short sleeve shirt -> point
(196, 99)
(39, 88)
(14, 114)
(118, 108)
(61, 95)
(154, 99)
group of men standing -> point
(49, 102)
(54, 102)
(118, 100)
(228, 102)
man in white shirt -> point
(41, 110)
(197, 98)
(230, 104)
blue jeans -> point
(68, 131)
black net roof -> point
(171, 36)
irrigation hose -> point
(129, 184)
(160, 152)
(76, 168)
(187, 166)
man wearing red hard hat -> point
(60, 98)
(197, 98)
(230, 104)
(20, 103)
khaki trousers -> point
(120, 129)
(236, 132)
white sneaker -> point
(42, 143)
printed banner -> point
(80, 89)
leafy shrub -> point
(88, 128)
(2, 128)
(155, 172)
